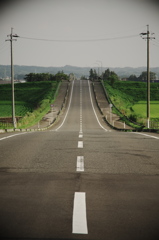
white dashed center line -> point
(80, 106)
(79, 214)
(80, 164)
(79, 222)
(80, 144)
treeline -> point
(142, 77)
(112, 76)
(37, 77)
(106, 75)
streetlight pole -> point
(98, 70)
(101, 69)
(12, 76)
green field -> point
(32, 100)
(21, 108)
(130, 98)
(140, 108)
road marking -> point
(67, 109)
(80, 106)
(80, 135)
(146, 135)
(12, 136)
(94, 109)
(80, 144)
(80, 164)
(79, 214)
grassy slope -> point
(127, 95)
(32, 100)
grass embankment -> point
(140, 109)
(131, 99)
(32, 101)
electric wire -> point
(4, 47)
(80, 40)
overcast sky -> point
(79, 32)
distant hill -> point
(20, 70)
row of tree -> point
(34, 77)
(107, 75)
(112, 76)
(142, 77)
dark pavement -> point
(118, 175)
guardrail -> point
(153, 124)
(4, 124)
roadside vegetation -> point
(32, 99)
(130, 97)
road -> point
(79, 179)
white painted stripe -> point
(79, 214)
(80, 164)
(94, 108)
(81, 106)
(80, 136)
(14, 135)
(146, 135)
(80, 144)
(67, 109)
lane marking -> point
(80, 164)
(146, 135)
(80, 136)
(80, 144)
(1, 139)
(94, 109)
(67, 109)
(79, 225)
(81, 106)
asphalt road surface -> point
(79, 179)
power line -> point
(155, 45)
(80, 40)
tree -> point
(91, 75)
(143, 76)
(34, 77)
(132, 78)
(61, 76)
(113, 78)
(83, 77)
(106, 74)
(95, 74)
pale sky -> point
(72, 26)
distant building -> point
(5, 81)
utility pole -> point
(12, 76)
(148, 73)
